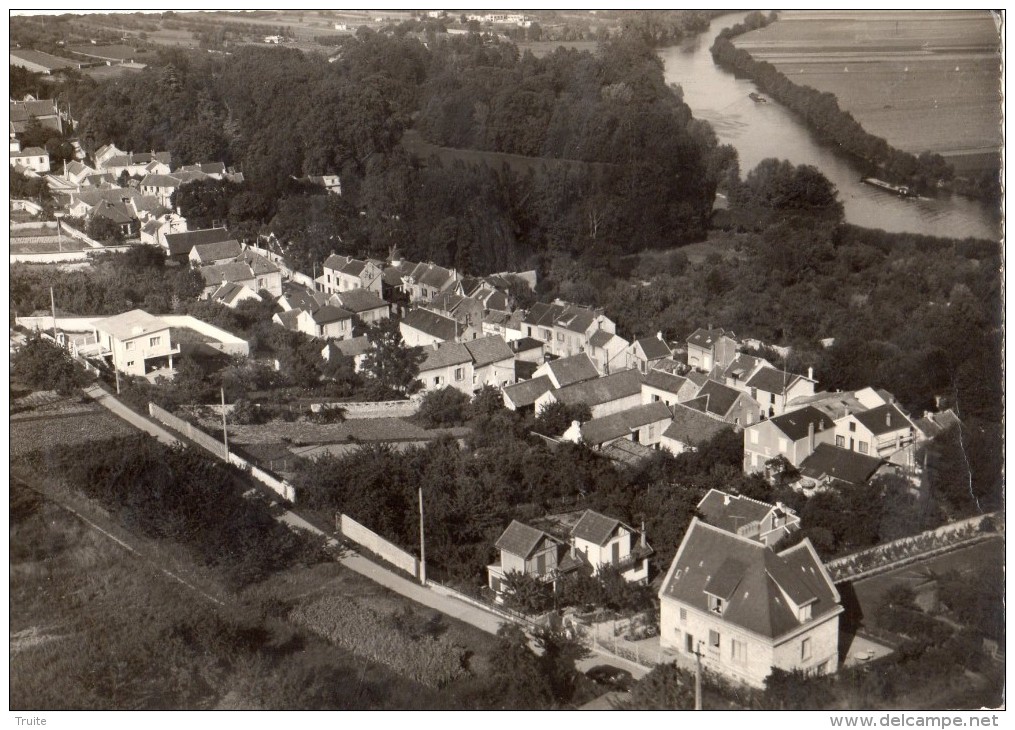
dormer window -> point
(716, 604)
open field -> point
(923, 80)
(48, 245)
(53, 426)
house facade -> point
(133, 340)
(524, 549)
(709, 348)
(604, 540)
(745, 609)
(447, 364)
(793, 436)
(644, 353)
(328, 322)
(608, 394)
(774, 389)
(878, 432)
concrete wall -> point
(226, 342)
(213, 445)
(822, 650)
(378, 545)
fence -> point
(199, 437)
(379, 409)
(505, 613)
(376, 544)
(895, 554)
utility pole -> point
(225, 434)
(422, 542)
(52, 306)
(697, 677)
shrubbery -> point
(180, 495)
(44, 365)
(431, 661)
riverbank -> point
(922, 80)
(760, 131)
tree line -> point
(822, 113)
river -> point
(759, 131)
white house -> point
(603, 541)
(745, 609)
(135, 341)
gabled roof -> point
(156, 181)
(692, 427)
(445, 355)
(614, 386)
(707, 338)
(231, 271)
(353, 347)
(934, 424)
(596, 528)
(300, 297)
(730, 512)
(621, 424)
(527, 392)
(360, 300)
(336, 262)
(431, 323)
(743, 366)
(543, 314)
(842, 464)
(487, 350)
(290, 319)
(217, 251)
(600, 338)
(181, 243)
(522, 540)
(116, 212)
(128, 325)
(662, 380)
(574, 369)
(230, 292)
(834, 405)
(328, 314)
(796, 423)
(436, 276)
(523, 344)
(353, 267)
(753, 580)
(883, 419)
(697, 378)
(721, 398)
(771, 380)
(258, 264)
(576, 319)
(653, 347)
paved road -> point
(470, 614)
(118, 409)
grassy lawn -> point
(63, 427)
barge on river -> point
(902, 190)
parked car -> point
(607, 675)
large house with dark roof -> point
(659, 385)
(746, 517)
(688, 428)
(793, 436)
(421, 327)
(745, 609)
(880, 431)
(364, 303)
(565, 328)
(643, 424)
(774, 389)
(644, 353)
(522, 396)
(344, 273)
(608, 394)
(831, 464)
(709, 348)
(178, 245)
(467, 366)
(607, 350)
(729, 404)
(568, 370)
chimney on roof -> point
(659, 335)
(726, 500)
(810, 373)
(810, 436)
(436, 346)
(888, 418)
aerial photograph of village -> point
(486, 360)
